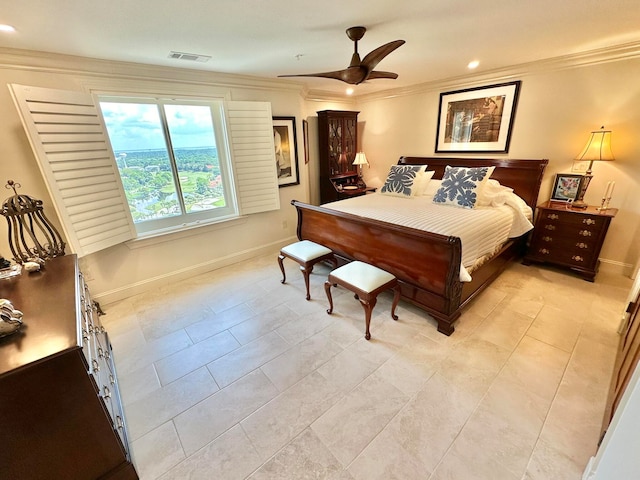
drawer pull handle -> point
(553, 216)
(112, 380)
(107, 392)
(585, 233)
(582, 245)
(550, 227)
(547, 239)
(589, 221)
(95, 365)
(577, 258)
(544, 251)
(100, 352)
(119, 422)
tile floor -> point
(232, 375)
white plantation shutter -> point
(69, 140)
(253, 155)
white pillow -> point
(423, 179)
(432, 187)
(403, 180)
(461, 186)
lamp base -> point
(582, 189)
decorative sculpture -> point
(32, 237)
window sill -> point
(183, 231)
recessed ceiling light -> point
(7, 28)
(473, 64)
(349, 91)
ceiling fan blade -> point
(351, 75)
(378, 74)
(375, 56)
(338, 75)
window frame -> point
(216, 107)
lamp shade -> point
(598, 147)
(361, 159)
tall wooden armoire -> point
(338, 143)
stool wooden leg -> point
(305, 274)
(368, 308)
(396, 299)
(284, 276)
(327, 288)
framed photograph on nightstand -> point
(566, 187)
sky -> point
(137, 126)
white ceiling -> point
(268, 38)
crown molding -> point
(627, 51)
(31, 60)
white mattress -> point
(482, 230)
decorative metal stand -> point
(31, 234)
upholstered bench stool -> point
(366, 282)
(307, 254)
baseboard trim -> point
(136, 288)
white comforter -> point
(482, 230)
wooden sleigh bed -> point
(426, 264)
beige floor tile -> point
(278, 422)
(210, 418)
(300, 360)
(505, 327)
(168, 317)
(350, 425)
(548, 462)
(305, 457)
(241, 361)
(473, 365)
(131, 354)
(346, 370)
(258, 325)
(487, 302)
(536, 366)
(410, 368)
(219, 322)
(230, 457)
(138, 384)
(305, 326)
(195, 356)
(557, 327)
(162, 405)
(157, 451)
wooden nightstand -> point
(569, 237)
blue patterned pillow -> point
(402, 180)
(461, 186)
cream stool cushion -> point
(305, 250)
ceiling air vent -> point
(193, 57)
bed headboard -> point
(524, 176)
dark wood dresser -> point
(570, 238)
(60, 410)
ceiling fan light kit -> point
(360, 70)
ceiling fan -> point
(360, 70)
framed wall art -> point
(477, 119)
(566, 187)
(284, 139)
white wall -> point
(558, 107)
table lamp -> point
(598, 148)
(361, 159)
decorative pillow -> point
(402, 180)
(461, 186)
(493, 194)
(432, 187)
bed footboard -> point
(427, 265)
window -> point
(172, 159)
(68, 136)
